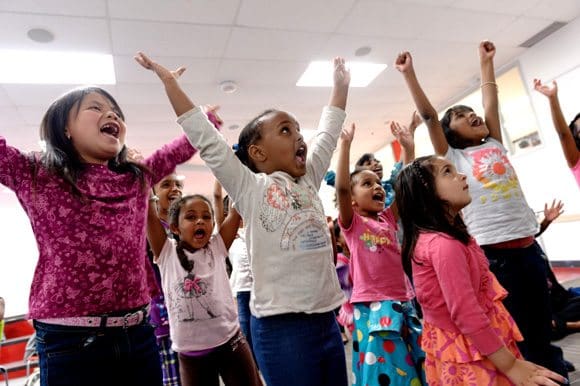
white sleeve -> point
(324, 143)
(166, 252)
(234, 176)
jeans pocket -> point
(60, 343)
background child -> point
(274, 185)
(469, 337)
(387, 330)
(569, 134)
(166, 191)
(202, 314)
(499, 217)
(87, 207)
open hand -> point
(162, 72)
(527, 373)
(403, 134)
(347, 134)
(548, 91)
(554, 211)
(404, 62)
(134, 155)
(341, 73)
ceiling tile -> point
(251, 43)
(93, 8)
(70, 33)
(221, 12)
(512, 7)
(520, 30)
(261, 72)
(296, 15)
(168, 39)
(561, 10)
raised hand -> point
(554, 211)
(341, 73)
(347, 134)
(415, 122)
(162, 72)
(403, 134)
(134, 155)
(486, 50)
(548, 91)
(404, 62)
(212, 115)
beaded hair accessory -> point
(416, 165)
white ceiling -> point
(264, 46)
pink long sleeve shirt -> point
(453, 284)
(92, 256)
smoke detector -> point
(228, 86)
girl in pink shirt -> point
(469, 337)
(387, 330)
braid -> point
(183, 260)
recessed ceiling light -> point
(53, 67)
(363, 51)
(40, 35)
(319, 74)
(228, 86)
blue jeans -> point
(97, 356)
(244, 315)
(299, 349)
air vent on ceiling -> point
(543, 34)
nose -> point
(114, 115)
(462, 176)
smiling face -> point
(373, 165)
(368, 195)
(281, 147)
(96, 129)
(195, 222)
(468, 126)
(450, 185)
(169, 189)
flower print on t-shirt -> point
(493, 169)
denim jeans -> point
(299, 349)
(243, 300)
(97, 356)
(522, 272)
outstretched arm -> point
(343, 195)
(566, 139)
(179, 100)
(404, 63)
(155, 232)
(489, 89)
(218, 203)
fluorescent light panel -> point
(319, 74)
(52, 67)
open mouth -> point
(477, 121)
(379, 197)
(173, 197)
(199, 234)
(301, 155)
(111, 129)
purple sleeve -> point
(14, 166)
(164, 160)
(450, 262)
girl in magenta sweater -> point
(468, 335)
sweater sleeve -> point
(163, 161)
(14, 166)
(319, 156)
(450, 262)
(236, 178)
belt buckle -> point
(126, 319)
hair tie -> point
(235, 147)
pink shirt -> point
(376, 267)
(92, 258)
(453, 284)
(576, 171)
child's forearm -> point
(339, 96)
(178, 98)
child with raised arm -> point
(387, 329)
(569, 134)
(87, 206)
(499, 217)
(204, 324)
(469, 337)
(274, 182)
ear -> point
(174, 229)
(257, 153)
